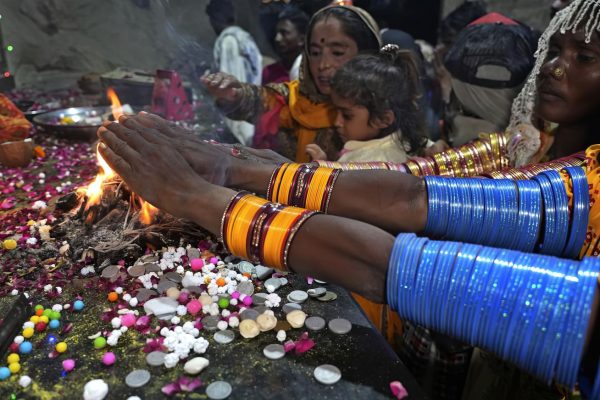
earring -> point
(558, 72)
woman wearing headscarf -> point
(298, 113)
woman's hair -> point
(352, 25)
(296, 16)
(386, 81)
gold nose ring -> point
(558, 72)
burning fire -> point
(94, 190)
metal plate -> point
(50, 122)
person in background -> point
(488, 64)
(290, 32)
(235, 53)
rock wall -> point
(57, 41)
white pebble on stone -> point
(95, 389)
(24, 381)
(195, 365)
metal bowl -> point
(50, 122)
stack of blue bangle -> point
(530, 309)
(529, 215)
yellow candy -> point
(61, 347)
(9, 244)
(35, 319)
(13, 358)
(44, 319)
(207, 280)
(14, 367)
(30, 222)
(28, 332)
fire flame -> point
(94, 190)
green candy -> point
(54, 315)
(38, 307)
(100, 342)
(47, 312)
(223, 302)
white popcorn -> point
(281, 336)
(234, 322)
(222, 325)
(126, 297)
(175, 320)
(19, 339)
(24, 381)
(171, 360)
(31, 241)
(119, 290)
(116, 322)
(200, 345)
(133, 302)
(14, 292)
(188, 327)
(57, 307)
(225, 313)
(181, 310)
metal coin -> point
(245, 267)
(210, 323)
(145, 294)
(249, 314)
(321, 282)
(165, 284)
(137, 378)
(155, 358)
(224, 337)
(340, 326)
(289, 307)
(173, 277)
(149, 258)
(152, 267)
(272, 284)
(259, 299)
(316, 292)
(218, 390)
(193, 253)
(329, 296)
(246, 288)
(297, 296)
(136, 270)
(194, 289)
(314, 323)
(283, 281)
(260, 309)
(111, 271)
(327, 374)
(274, 351)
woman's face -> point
(329, 49)
(569, 82)
(288, 40)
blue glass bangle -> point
(492, 208)
(530, 202)
(480, 279)
(461, 306)
(548, 239)
(407, 276)
(437, 214)
(580, 214)
(425, 273)
(398, 251)
(509, 210)
(478, 211)
(562, 210)
(444, 267)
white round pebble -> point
(218, 390)
(133, 398)
(24, 381)
(222, 325)
(281, 335)
(133, 302)
(14, 292)
(195, 365)
(57, 307)
(116, 322)
(274, 351)
(126, 297)
(19, 339)
(95, 389)
(327, 374)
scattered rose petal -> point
(398, 390)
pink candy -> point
(197, 264)
(214, 260)
(68, 365)
(128, 320)
(235, 295)
(194, 307)
(247, 301)
(109, 358)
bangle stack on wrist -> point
(258, 230)
(530, 309)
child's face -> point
(352, 121)
(329, 49)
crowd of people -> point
(499, 93)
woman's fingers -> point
(116, 162)
(150, 134)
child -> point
(378, 115)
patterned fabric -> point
(13, 124)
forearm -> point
(247, 106)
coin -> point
(297, 296)
(149, 258)
(246, 288)
(274, 351)
(272, 284)
(224, 337)
(145, 294)
(340, 326)
(328, 296)
(136, 270)
(173, 277)
(210, 323)
(110, 272)
(289, 307)
(314, 323)
(218, 390)
(327, 374)
(155, 358)
(259, 299)
(249, 314)
(165, 284)
(137, 378)
(193, 253)
(152, 267)
(316, 292)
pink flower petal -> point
(171, 389)
(289, 346)
(398, 390)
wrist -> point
(251, 176)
